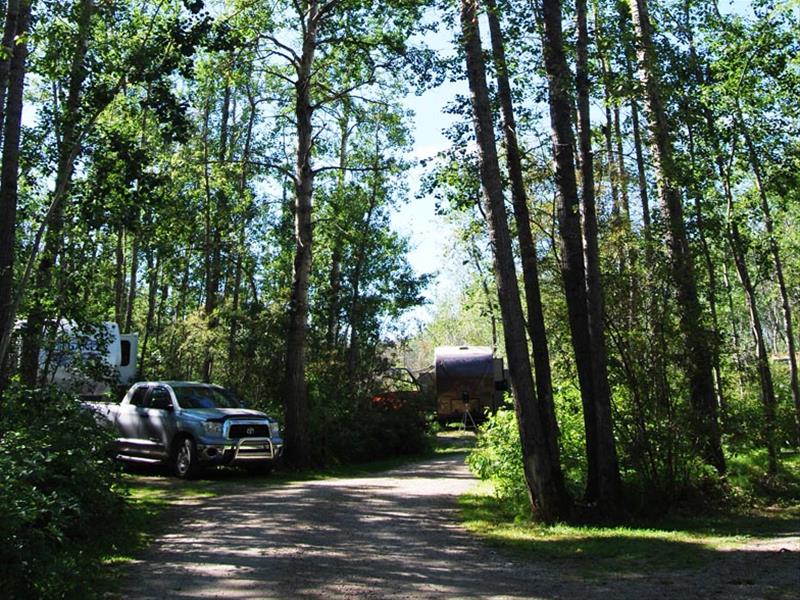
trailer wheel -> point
(184, 458)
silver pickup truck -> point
(190, 426)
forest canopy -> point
(622, 180)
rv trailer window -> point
(126, 353)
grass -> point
(639, 547)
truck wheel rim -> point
(183, 458)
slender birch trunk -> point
(603, 486)
(768, 399)
(67, 153)
(530, 268)
(698, 353)
(548, 495)
(786, 307)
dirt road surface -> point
(398, 535)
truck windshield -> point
(200, 396)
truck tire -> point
(184, 458)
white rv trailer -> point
(112, 355)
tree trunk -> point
(9, 34)
(641, 175)
(735, 338)
(786, 307)
(334, 278)
(607, 488)
(608, 129)
(208, 277)
(133, 283)
(9, 174)
(119, 279)
(353, 353)
(542, 469)
(211, 283)
(622, 173)
(219, 214)
(241, 244)
(334, 286)
(712, 281)
(530, 268)
(67, 153)
(569, 225)
(694, 65)
(298, 449)
(698, 353)
(153, 267)
(637, 132)
(762, 357)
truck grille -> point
(248, 430)
(254, 450)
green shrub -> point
(572, 436)
(748, 477)
(497, 457)
(56, 491)
(365, 431)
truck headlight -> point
(274, 430)
(212, 428)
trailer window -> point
(126, 353)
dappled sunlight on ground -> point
(391, 535)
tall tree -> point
(604, 485)
(738, 253)
(603, 475)
(527, 245)
(68, 151)
(371, 40)
(542, 468)
(15, 65)
(777, 263)
(297, 419)
(698, 362)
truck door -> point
(129, 419)
(159, 422)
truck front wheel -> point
(184, 458)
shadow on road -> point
(394, 535)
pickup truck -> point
(189, 426)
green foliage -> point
(572, 442)
(57, 491)
(370, 421)
(752, 484)
(367, 432)
(497, 457)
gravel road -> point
(397, 535)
